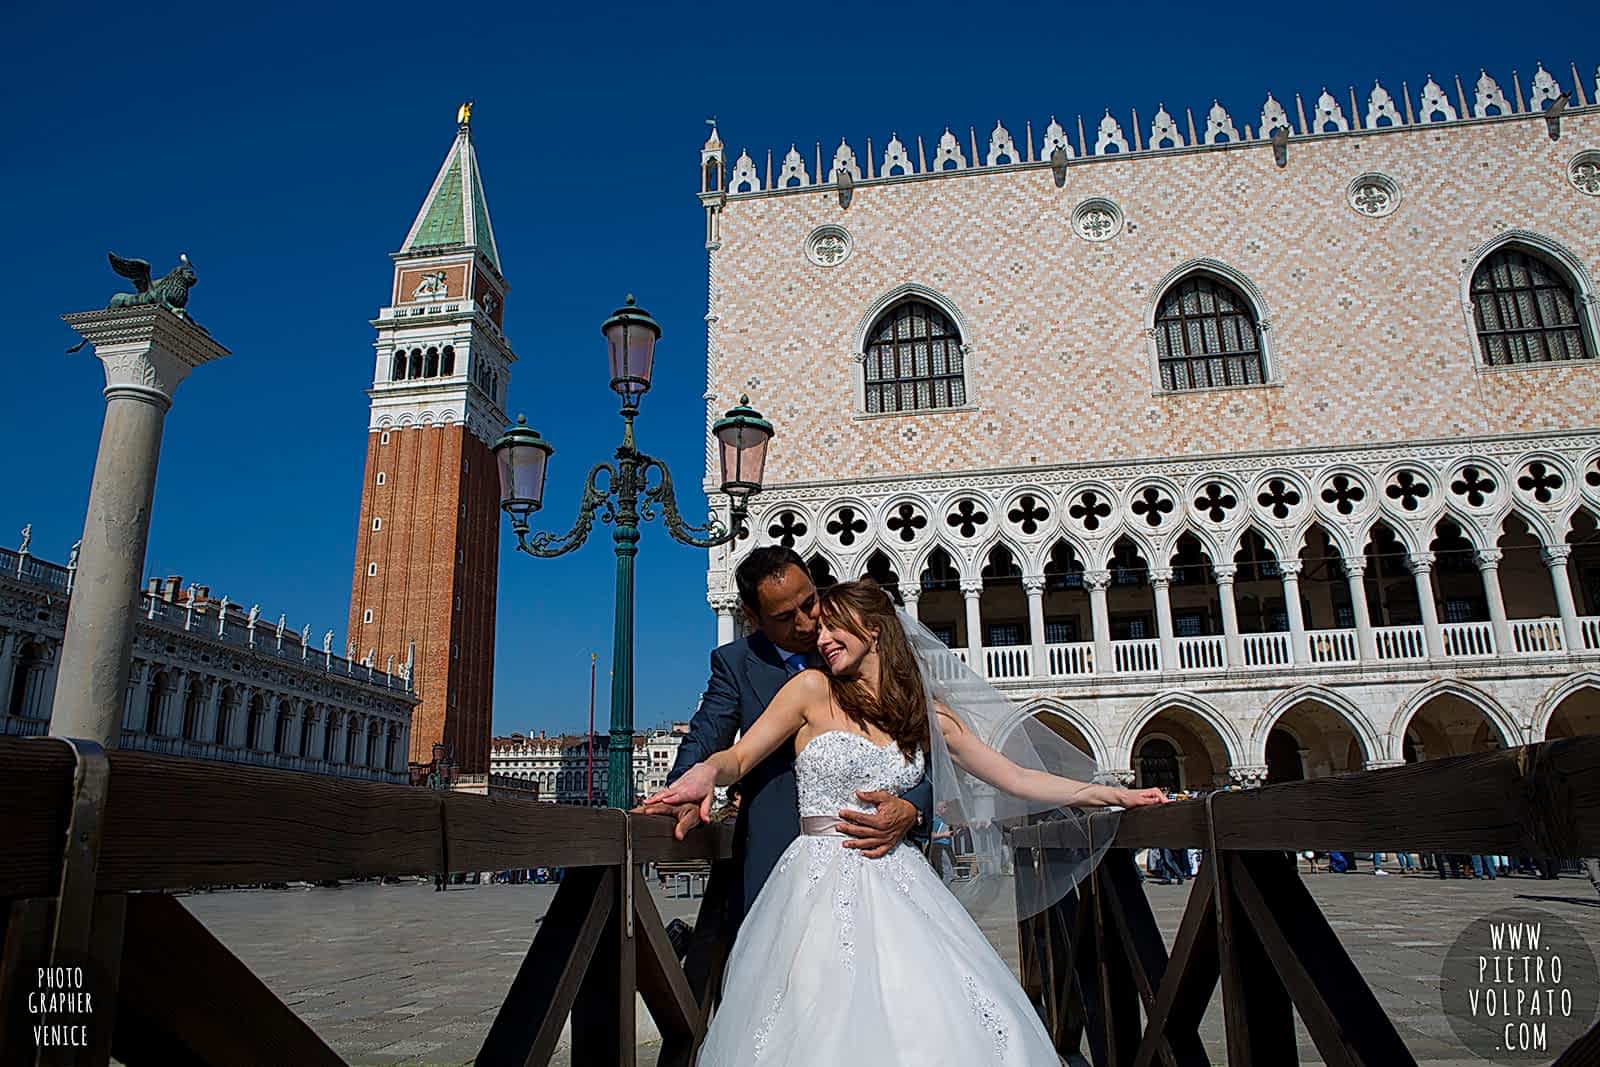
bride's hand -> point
(1141, 798)
(697, 785)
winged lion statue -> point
(171, 291)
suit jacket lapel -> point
(765, 671)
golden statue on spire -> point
(464, 114)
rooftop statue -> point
(171, 292)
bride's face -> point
(840, 649)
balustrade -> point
(1267, 650)
(1401, 642)
(1206, 653)
(1136, 657)
(1468, 639)
(1535, 636)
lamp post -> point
(624, 496)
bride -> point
(847, 960)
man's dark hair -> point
(759, 566)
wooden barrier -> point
(1095, 961)
(172, 824)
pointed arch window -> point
(1207, 336)
(1527, 310)
(914, 360)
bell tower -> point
(427, 548)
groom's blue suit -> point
(745, 675)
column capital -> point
(1355, 568)
(723, 603)
(1225, 572)
(1123, 776)
(1097, 581)
(1488, 558)
(971, 587)
(1419, 562)
(1033, 583)
(1383, 764)
(1291, 569)
(1555, 555)
(1160, 577)
(1249, 775)
(910, 591)
(145, 350)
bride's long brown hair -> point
(900, 706)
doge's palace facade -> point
(1241, 449)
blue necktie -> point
(796, 662)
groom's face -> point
(789, 611)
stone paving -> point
(400, 974)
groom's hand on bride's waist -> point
(875, 833)
(686, 815)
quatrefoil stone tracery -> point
(1215, 502)
(846, 525)
(1090, 509)
(1540, 481)
(787, 528)
(1591, 477)
(967, 517)
(1408, 489)
(1028, 513)
(1473, 486)
(1343, 494)
(1280, 498)
(1152, 505)
(906, 522)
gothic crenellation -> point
(1376, 110)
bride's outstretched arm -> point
(780, 722)
(976, 758)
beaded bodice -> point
(837, 763)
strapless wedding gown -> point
(844, 960)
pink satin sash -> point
(820, 826)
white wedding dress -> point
(844, 960)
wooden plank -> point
(35, 805)
(1540, 798)
(530, 1019)
(184, 998)
(714, 929)
(1584, 1052)
(1256, 1009)
(653, 841)
(604, 1016)
(1186, 988)
(1119, 997)
(1136, 926)
(1340, 1011)
(661, 978)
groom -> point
(780, 602)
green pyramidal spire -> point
(455, 212)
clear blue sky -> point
(287, 148)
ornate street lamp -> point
(523, 456)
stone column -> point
(1161, 582)
(911, 594)
(1421, 564)
(268, 741)
(139, 704)
(209, 710)
(1231, 642)
(724, 605)
(8, 669)
(1033, 585)
(1298, 648)
(1366, 640)
(1488, 560)
(972, 591)
(319, 731)
(1100, 620)
(1555, 557)
(335, 749)
(170, 722)
(146, 352)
